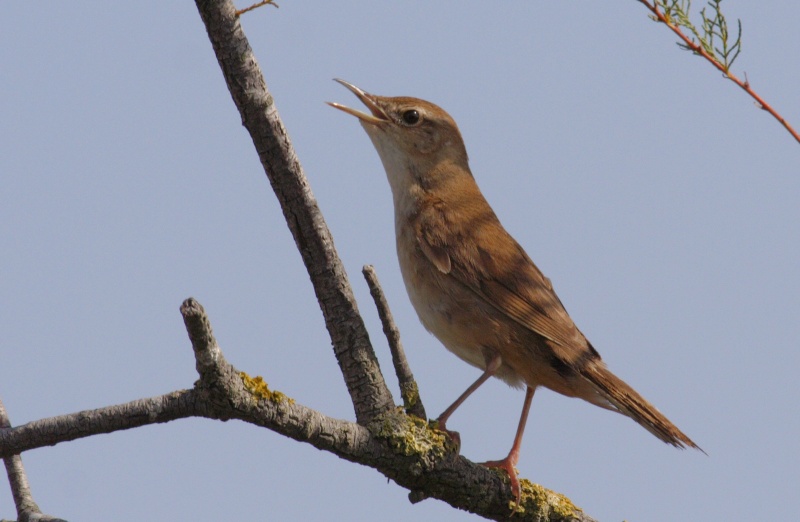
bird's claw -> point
(454, 436)
(508, 465)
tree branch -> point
(63, 428)
(256, 106)
(402, 447)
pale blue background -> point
(659, 200)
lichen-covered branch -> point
(402, 447)
(256, 106)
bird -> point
(472, 285)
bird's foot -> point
(454, 436)
(509, 465)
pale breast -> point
(449, 310)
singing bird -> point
(472, 285)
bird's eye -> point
(411, 117)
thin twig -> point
(255, 6)
(698, 49)
(408, 385)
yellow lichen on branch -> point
(549, 504)
(410, 395)
(410, 435)
(259, 389)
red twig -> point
(698, 49)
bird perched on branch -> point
(472, 285)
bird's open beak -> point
(377, 116)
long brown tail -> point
(628, 402)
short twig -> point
(255, 6)
(206, 350)
(27, 509)
(408, 386)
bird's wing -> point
(493, 265)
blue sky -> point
(661, 203)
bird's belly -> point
(449, 310)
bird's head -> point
(408, 133)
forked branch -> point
(401, 447)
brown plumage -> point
(472, 285)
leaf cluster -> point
(712, 37)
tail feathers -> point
(628, 402)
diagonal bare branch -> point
(256, 106)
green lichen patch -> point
(259, 389)
(410, 393)
(410, 435)
(545, 504)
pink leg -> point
(491, 369)
(509, 463)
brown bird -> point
(472, 284)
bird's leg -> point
(509, 463)
(491, 369)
